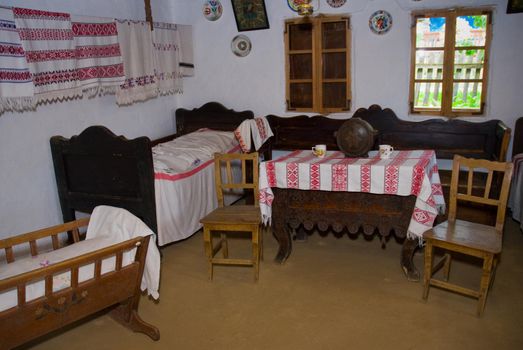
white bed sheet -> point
(184, 181)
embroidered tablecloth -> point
(405, 173)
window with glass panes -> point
(317, 53)
(449, 61)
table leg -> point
(407, 264)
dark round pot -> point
(356, 137)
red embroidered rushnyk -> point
(47, 39)
(16, 82)
(98, 54)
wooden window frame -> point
(448, 61)
(317, 63)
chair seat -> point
(239, 214)
(467, 234)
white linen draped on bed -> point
(184, 181)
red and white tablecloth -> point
(405, 173)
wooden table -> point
(402, 193)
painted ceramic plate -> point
(380, 22)
(293, 4)
(212, 9)
(336, 3)
(241, 45)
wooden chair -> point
(460, 236)
(235, 218)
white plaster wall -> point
(28, 192)
(380, 64)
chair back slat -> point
(488, 185)
(229, 163)
(495, 171)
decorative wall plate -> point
(380, 22)
(336, 3)
(212, 9)
(241, 45)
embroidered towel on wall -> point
(137, 51)
(16, 83)
(47, 39)
(186, 52)
(166, 43)
(99, 61)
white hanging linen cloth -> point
(260, 130)
(47, 39)
(120, 225)
(166, 43)
(137, 51)
(16, 83)
(186, 52)
(99, 60)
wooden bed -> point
(118, 290)
(97, 167)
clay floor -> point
(332, 293)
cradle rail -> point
(121, 288)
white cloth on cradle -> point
(120, 225)
(260, 130)
(16, 82)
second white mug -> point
(386, 151)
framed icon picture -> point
(250, 14)
(514, 6)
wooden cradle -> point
(118, 289)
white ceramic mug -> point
(319, 150)
(386, 151)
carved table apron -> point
(339, 210)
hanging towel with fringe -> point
(137, 51)
(47, 39)
(16, 83)
(99, 60)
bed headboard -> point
(212, 115)
(97, 167)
